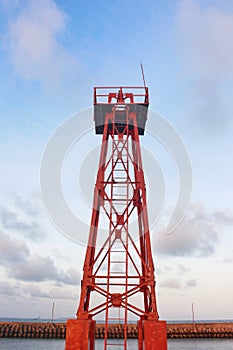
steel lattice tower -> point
(118, 276)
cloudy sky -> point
(52, 55)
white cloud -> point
(54, 293)
(207, 38)
(7, 289)
(20, 221)
(197, 235)
(35, 268)
(206, 48)
(35, 43)
(12, 289)
(12, 250)
(62, 293)
(191, 283)
(182, 269)
(18, 262)
(39, 269)
(173, 283)
(170, 283)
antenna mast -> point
(143, 76)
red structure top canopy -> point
(135, 98)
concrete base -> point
(152, 335)
(80, 335)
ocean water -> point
(173, 344)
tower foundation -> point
(80, 335)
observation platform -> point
(120, 99)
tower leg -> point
(140, 335)
(80, 335)
(155, 335)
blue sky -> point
(52, 55)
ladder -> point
(118, 249)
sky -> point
(52, 54)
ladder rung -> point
(116, 276)
(117, 284)
(117, 251)
(120, 199)
(120, 185)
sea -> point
(173, 344)
(59, 344)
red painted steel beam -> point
(120, 270)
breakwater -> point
(58, 330)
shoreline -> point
(58, 330)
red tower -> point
(118, 282)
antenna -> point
(143, 77)
(52, 316)
(193, 315)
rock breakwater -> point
(58, 330)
